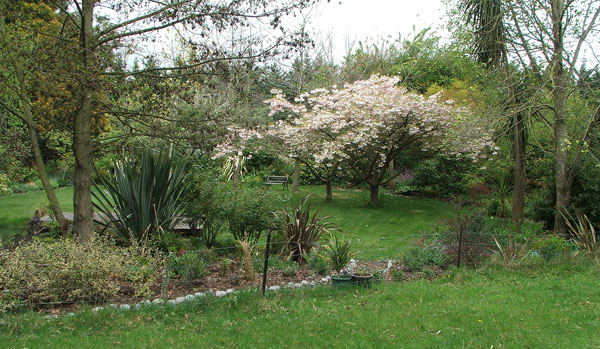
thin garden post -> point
(266, 267)
(460, 234)
(165, 281)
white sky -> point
(344, 23)
(357, 20)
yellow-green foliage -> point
(68, 271)
(4, 184)
(459, 91)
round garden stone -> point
(180, 300)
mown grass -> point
(16, 210)
(536, 306)
(376, 233)
(379, 232)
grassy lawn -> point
(536, 306)
(539, 304)
(16, 210)
(380, 232)
(376, 233)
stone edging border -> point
(198, 295)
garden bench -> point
(272, 180)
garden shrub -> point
(442, 176)
(539, 206)
(427, 274)
(204, 202)
(289, 269)
(416, 258)
(550, 246)
(317, 263)
(249, 213)
(397, 275)
(189, 267)
(68, 271)
(477, 237)
(4, 185)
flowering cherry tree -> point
(366, 124)
(362, 127)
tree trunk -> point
(561, 132)
(391, 173)
(518, 151)
(296, 176)
(33, 136)
(374, 193)
(39, 162)
(329, 196)
(83, 223)
(520, 175)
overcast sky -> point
(347, 22)
(357, 20)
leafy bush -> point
(67, 271)
(64, 182)
(397, 275)
(249, 213)
(406, 186)
(20, 188)
(141, 201)
(300, 231)
(317, 263)
(418, 257)
(204, 202)
(4, 185)
(290, 269)
(190, 266)
(337, 253)
(549, 247)
(442, 176)
(540, 206)
(427, 274)
(476, 241)
(254, 180)
(169, 241)
(53, 183)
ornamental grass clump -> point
(337, 253)
(37, 274)
(300, 231)
(584, 234)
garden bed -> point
(216, 280)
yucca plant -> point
(300, 230)
(583, 231)
(138, 202)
